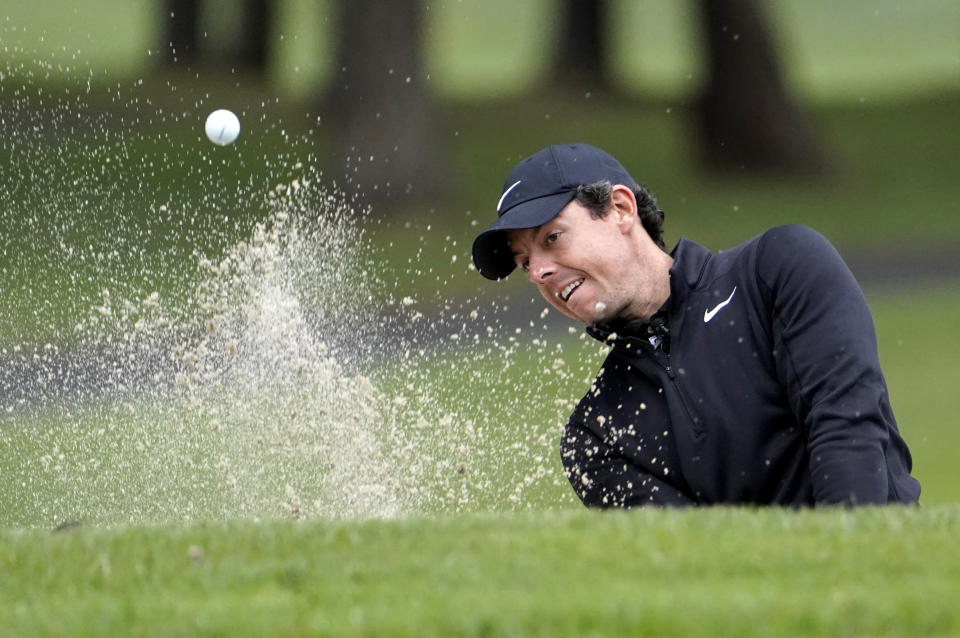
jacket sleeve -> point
(826, 352)
(603, 478)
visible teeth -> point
(568, 290)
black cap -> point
(535, 191)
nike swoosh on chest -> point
(710, 313)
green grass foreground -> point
(730, 572)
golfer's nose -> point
(540, 269)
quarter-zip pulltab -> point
(663, 360)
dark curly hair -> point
(595, 197)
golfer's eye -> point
(525, 265)
(552, 237)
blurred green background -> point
(879, 82)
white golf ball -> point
(222, 127)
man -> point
(750, 376)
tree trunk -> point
(252, 52)
(380, 101)
(748, 120)
(181, 32)
(582, 51)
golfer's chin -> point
(562, 308)
(584, 310)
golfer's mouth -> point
(569, 288)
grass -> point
(733, 572)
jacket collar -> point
(689, 263)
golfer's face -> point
(574, 260)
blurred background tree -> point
(581, 55)
(180, 27)
(380, 102)
(748, 118)
(181, 31)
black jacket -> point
(765, 388)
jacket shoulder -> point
(796, 252)
(788, 237)
(791, 235)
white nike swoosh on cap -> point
(709, 314)
(505, 193)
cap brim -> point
(491, 254)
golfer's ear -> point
(624, 206)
